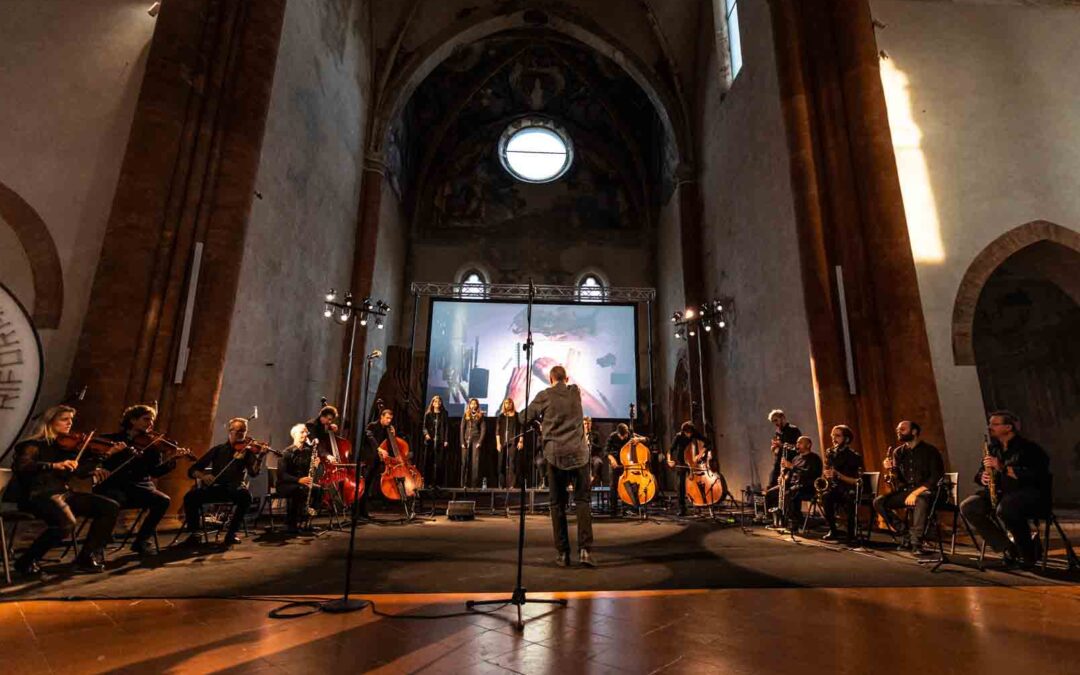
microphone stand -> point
(345, 603)
(518, 598)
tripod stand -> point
(518, 597)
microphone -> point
(255, 413)
(375, 353)
(322, 401)
(633, 411)
(82, 394)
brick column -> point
(188, 177)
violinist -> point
(295, 476)
(377, 433)
(615, 442)
(436, 435)
(843, 469)
(675, 458)
(221, 475)
(508, 442)
(42, 467)
(131, 472)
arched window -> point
(473, 284)
(591, 289)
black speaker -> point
(461, 510)
(478, 383)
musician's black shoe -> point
(584, 559)
(831, 535)
(563, 560)
(143, 547)
(920, 548)
(88, 564)
(231, 540)
(28, 568)
(194, 539)
(903, 543)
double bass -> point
(339, 473)
(704, 487)
(400, 478)
(637, 485)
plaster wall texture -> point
(982, 101)
(70, 74)
(282, 354)
(669, 298)
(750, 249)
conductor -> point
(559, 410)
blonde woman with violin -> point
(221, 476)
(43, 464)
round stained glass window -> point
(535, 150)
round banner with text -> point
(21, 368)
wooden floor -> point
(986, 630)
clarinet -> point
(312, 466)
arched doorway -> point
(1024, 337)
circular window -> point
(535, 150)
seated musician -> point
(918, 467)
(222, 475)
(844, 471)
(803, 470)
(130, 481)
(372, 456)
(42, 469)
(615, 442)
(676, 458)
(294, 480)
(782, 444)
(1022, 470)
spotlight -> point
(707, 327)
(679, 334)
(383, 306)
(328, 312)
(379, 323)
(363, 320)
(343, 317)
(676, 317)
(689, 312)
(331, 295)
(348, 299)
(722, 324)
(692, 333)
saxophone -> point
(991, 485)
(312, 466)
(892, 478)
(822, 485)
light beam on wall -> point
(920, 206)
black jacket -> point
(220, 458)
(1028, 461)
(678, 446)
(34, 476)
(437, 425)
(506, 428)
(473, 430)
(847, 461)
(562, 420)
(376, 435)
(787, 435)
(921, 466)
(614, 444)
(805, 469)
(295, 464)
(139, 471)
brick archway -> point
(991, 257)
(40, 249)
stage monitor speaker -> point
(461, 510)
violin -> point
(249, 445)
(400, 478)
(637, 485)
(89, 442)
(173, 450)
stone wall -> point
(762, 360)
(282, 354)
(982, 103)
(70, 74)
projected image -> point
(475, 350)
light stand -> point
(345, 311)
(518, 598)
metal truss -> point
(521, 292)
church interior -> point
(524, 336)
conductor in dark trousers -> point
(559, 410)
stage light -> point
(708, 327)
(722, 324)
(328, 313)
(383, 306)
(689, 313)
(363, 320)
(679, 334)
(676, 317)
(331, 295)
(343, 317)
(379, 323)
(692, 333)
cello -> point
(400, 478)
(637, 485)
(704, 487)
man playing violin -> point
(221, 476)
(131, 473)
(42, 466)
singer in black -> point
(559, 410)
(436, 438)
(221, 475)
(615, 443)
(296, 475)
(803, 470)
(473, 430)
(42, 469)
(508, 443)
(843, 469)
(676, 460)
(1022, 486)
(130, 482)
(919, 470)
(376, 434)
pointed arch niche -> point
(40, 250)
